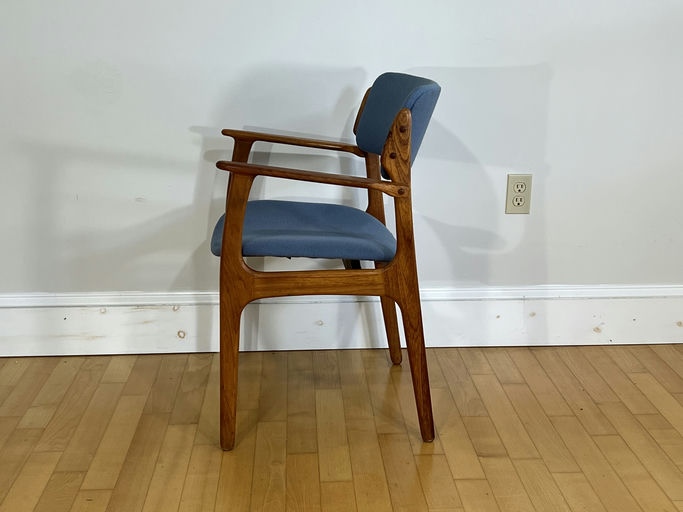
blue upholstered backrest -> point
(390, 93)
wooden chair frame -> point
(395, 281)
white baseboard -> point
(136, 322)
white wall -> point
(110, 113)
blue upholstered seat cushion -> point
(312, 230)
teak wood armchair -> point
(389, 128)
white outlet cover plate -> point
(512, 198)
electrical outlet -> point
(518, 196)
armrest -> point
(392, 189)
(293, 141)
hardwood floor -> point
(544, 429)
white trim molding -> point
(142, 322)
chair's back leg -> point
(389, 314)
(391, 327)
(391, 324)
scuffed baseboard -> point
(135, 322)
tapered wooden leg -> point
(391, 326)
(412, 325)
(230, 339)
(389, 314)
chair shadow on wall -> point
(502, 114)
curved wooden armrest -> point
(293, 141)
(392, 189)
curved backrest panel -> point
(390, 93)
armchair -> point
(389, 128)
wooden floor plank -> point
(7, 426)
(639, 482)
(201, 481)
(134, 479)
(475, 361)
(667, 405)
(405, 488)
(460, 383)
(250, 380)
(119, 369)
(188, 401)
(540, 485)
(269, 483)
(457, 446)
(437, 482)
(163, 392)
(548, 443)
(333, 448)
(672, 381)
(484, 437)
(166, 487)
(515, 437)
(618, 381)
(66, 418)
(112, 449)
(671, 442)
(301, 422)
(60, 492)
(578, 399)
(542, 387)
(51, 394)
(209, 422)
(28, 387)
(337, 497)
(81, 449)
(477, 496)
(273, 390)
(578, 492)
(436, 376)
(143, 375)
(506, 485)
(624, 359)
(303, 484)
(369, 478)
(354, 386)
(326, 369)
(646, 449)
(386, 407)
(10, 373)
(672, 355)
(589, 378)
(91, 501)
(237, 468)
(503, 366)
(30, 483)
(13, 454)
(608, 486)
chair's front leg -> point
(404, 288)
(412, 326)
(236, 288)
(230, 312)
